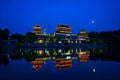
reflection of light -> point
(68, 51)
(71, 41)
(53, 57)
(44, 62)
(68, 41)
(40, 52)
(46, 51)
(59, 41)
(36, 67)
(8, 55)
(83, 56)
(94, 70)
(68, 57)
(71, 50)
(76, 41)
(20, 50)
(40, 41)
(79, 50)
(82, 52)
(76, 50)
(22, 53)
(60, 50)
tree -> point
(30, 37)
(6, 33)
(1, 33)
(18, 37)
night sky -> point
(97, 15)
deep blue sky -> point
(20, 16)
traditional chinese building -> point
(37, 29)
(61, 35)
(63, 30)
(83, 35)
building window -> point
(68, 41)
(76, 41)
(59, 41)
(60, 51)
(71, 41)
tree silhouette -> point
(1, 33)
(6, 33)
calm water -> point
(59, 64)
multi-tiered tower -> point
(63, 30)
(37, 29)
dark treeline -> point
(4, 34)
(112, 40)
(107, 37)
(108, 54)
(27, 38)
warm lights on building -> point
(63, 29)
(37, 29)
(40, 52)
(41, 41)
(83, 35)
(63, 33)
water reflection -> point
(61, 56)
(60, 62)
(63, 63)
(84, 56)
(37, 64)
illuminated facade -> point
(63, 29)
(37, 29)
(61, 35)
(83, 35)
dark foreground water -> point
(59, 64)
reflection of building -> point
(37, 29)
(83, 57)
(63, 29)
(63, 63)
(83, 35)
(37, 64)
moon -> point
(93, 21)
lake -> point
(59, 64)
